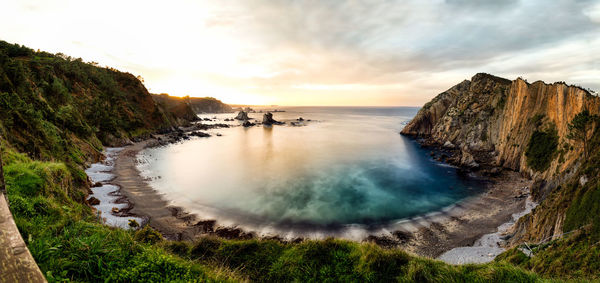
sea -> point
(342, 171)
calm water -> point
(349, 167)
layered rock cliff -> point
(516, 125)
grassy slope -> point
(57, 113)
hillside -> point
(208, 105)
(187, 107)
(492, 122)
(53, 104)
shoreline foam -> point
(108, 194)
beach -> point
(429, 235)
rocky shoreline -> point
(429, 235)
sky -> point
(321, 52)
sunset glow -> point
(316, 52)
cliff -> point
(178, 108)
(514, 125)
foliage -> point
(147, 235)
(580, 128)
(541, 149)
(50, 104)
(575, 257)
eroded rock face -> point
(491, 120)
(268, 119)
(242, 115)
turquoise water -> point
(347, 167)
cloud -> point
(415, 48)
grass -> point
(572, 258)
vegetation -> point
(574, 257)
(54, 107)
(541, 149)
(580, 129)
(56, 113)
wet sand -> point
(429, 235)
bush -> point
(147, 235)
(541, 149)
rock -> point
(492, 171)
(233, 233)
(468, 160)
(97, 184)
(243, 116)
(248, 124)
(268, 119)
(300, 119)
(206, 226)
(583, 180)
(93, 201)
(402, 236)
(200, 134)
(449, 145)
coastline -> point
(429, 235)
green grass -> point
(572, 258)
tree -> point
(580, 128)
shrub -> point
(147, 235)
(541, 149)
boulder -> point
(242, 115)
(93, 201)
(200, 134)
(248, 124)
(448, 144)
(468, 160)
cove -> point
(347, 167)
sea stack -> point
(243, 116)
(268, 119)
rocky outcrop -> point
(247, 124)
(490, 121)
(268, 119)
(242, 116)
